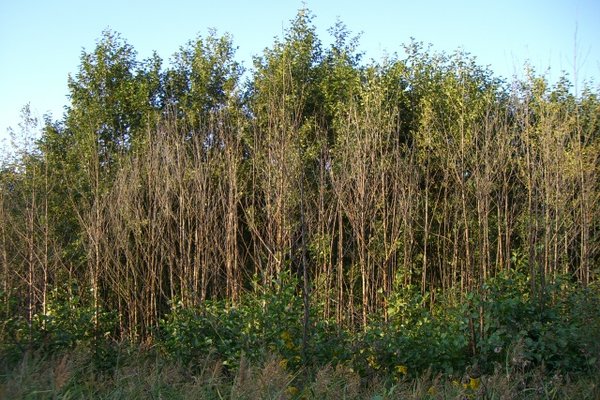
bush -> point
(414, 339)
(69, 321)
(559, 329)
(269, 321)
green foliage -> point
(111, 96)
(69, 321)
(519, 333)
(558, 331)
(519, 336)
(266, 322)
(261, 323)
(415, 338)
(203, 79)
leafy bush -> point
(265, 322)
(562, 332)
(69, 320)
(414, 339)
(517, 333)
(558, 329)
(269, 321)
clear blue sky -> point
(41, 41)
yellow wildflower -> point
(474, 383)
(373, 362)
(401, 369)
(287, 339)
(292, 391)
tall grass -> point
(143, 373)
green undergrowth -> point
(499, 327)
(497, 342)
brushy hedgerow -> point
(550, 342)
(561, 332)
(269, 322)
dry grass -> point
(143, 376)
(336, 383)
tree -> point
(203, 79)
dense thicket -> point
(165, 187)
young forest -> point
(316, 226)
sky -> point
(41, 41)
